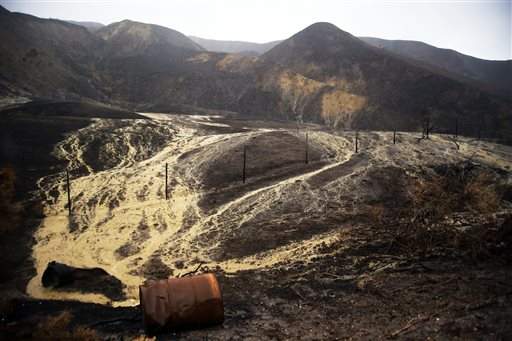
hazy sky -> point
(482, 28)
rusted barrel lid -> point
(176, 303)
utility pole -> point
(245, 161)
(69, 191)
(166, 190)
(307, 147)
(394, 136)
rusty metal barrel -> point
(177, 303)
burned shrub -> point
(450, 189)
(10, 211)
(58, 328)
(423, 223)
(481, 193)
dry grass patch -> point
(57, 328)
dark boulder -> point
(94, 280)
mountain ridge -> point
(234, 46)
(320, 74)
(494, 73)
(128, 37)
(90, 25)
(46, 57)
(349, 83)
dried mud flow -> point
(277, 242)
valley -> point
(337, 187)
(308, 224)
(320, 74)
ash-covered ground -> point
(409, 239)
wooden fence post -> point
(245, 161)
(69, 191)
(357, 140)
(166, 187)
(427, 127)
(307, 149)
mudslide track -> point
(122, 223)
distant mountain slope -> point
(325, 74)
(229, 46)
(128, 64)
(320, 74)
(46, 57)
(497, 74)
(129, 38)
(90, 25)
(153, 66)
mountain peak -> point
(324, 31)
(319, 41)
(135, 38)
(324, 26)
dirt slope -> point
(405, 240)
(280, 216)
